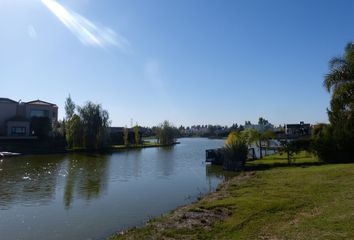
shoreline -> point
(109, 149)
(190, 215)
(274, 202)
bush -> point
(333, 144)
(236, 151)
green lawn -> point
(308, 200)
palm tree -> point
(336, 144)
(340, 81)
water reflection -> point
(165, 163)
(218, 172)
(87, 176)
(33, 180)
(85, 196)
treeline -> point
(219, 131)
(87, 127)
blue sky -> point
(187, 61)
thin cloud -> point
(86, 31)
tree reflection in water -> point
(33, 180)
(87, 177)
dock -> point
(216, 156)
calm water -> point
(87, 196)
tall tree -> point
(335, 142)
(126, 136)
(95, 122)
(69, 107)
(340, 81)
(136, 135)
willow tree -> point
(74, 132)
(95, 123)
(166, 133)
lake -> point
(91, 196)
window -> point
(39, 113)
(18, 131)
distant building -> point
(15, 117)
(298, 130)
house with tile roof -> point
(15, 117)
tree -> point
(166, 133)
(262, 121)
(252, 135)
(266, 136)
(247, 123)
(95, 123)
(69, 107)
(340, 81)
(74, 134)
(89, 128)
(293, 147)
(126, 136)
(336, 141)
(236, 151)
(211, 130)
(323, 142)
(136, 135)
(288, 148)
(58, 129)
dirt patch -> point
(193, 218)
(246, 175)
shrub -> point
(333, 144)
(236, 151)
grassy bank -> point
(308, 200)
(145, 145)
